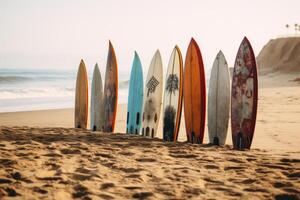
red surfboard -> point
(244, 97)
(194, 94)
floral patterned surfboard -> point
(244, 97)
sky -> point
(58, 33)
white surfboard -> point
(152, 97)
(173, 96)
(96, 110)
(218, 101)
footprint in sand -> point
(251, 159)
(133, 187)
(286, 196)
(211, 167)
(129, 169)
(145, 160)
(249, 181)
(136, 176)
(16, 175)
(81, 177)
(52, 154)
(84, 170)
(291, 190)
(70, 151)
(53, 165)
(274, 166)
(11, 192)
(5, 181)
(50, 178)
(192, 191)
(278, 184)
(7, 162)
(47, 175)
(215, 182)
(105, 186)
(39, 190)
(227, 191)
(80, 191)
(256, 189)
(126, 153)
(104, 155)
(236, 168)
(106, 196)
(235, 160)
(288, 160)
(295, 175)
(185, 155)
(142, 195)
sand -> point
(64, 163)
(42, 156)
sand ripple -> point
(61, 163)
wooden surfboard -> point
(218, 101)
(244, 97)
(81, 97)
(194, 93)
(96, 110)
(173, 96)
(135, 97)
(110, 91)
(152, 97)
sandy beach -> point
(278, 119)
(42, 155)
(67, 67)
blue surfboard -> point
(135, 97)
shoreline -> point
(277, 125)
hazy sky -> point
(58, 33)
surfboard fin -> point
(240, 141)
(216, 141)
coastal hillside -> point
(280, 55)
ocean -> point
(34, 89)
(40, 89)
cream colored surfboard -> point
(173, 97)
(218, 101)
(81, 97)
(152, 97)
(96, 110)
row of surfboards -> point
(185, 87)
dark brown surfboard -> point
(244, 97)
(110, 91)
(194, 94)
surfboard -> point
(110, 91)
(96, 110)
(244, 97)
(152, 97)
(194, 94)
(81, 97)
(135, 97)
(173, 96)
(218, 101)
